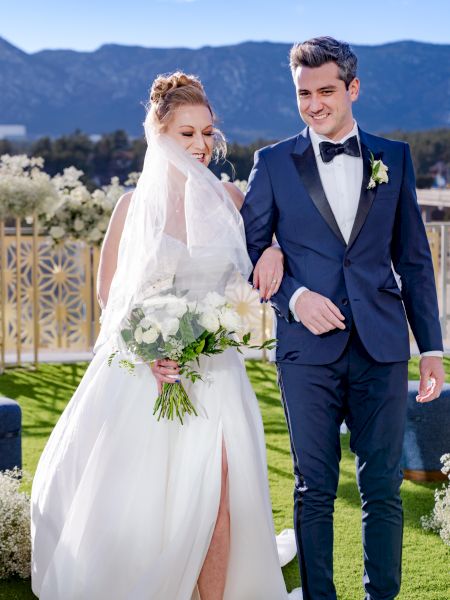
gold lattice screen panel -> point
(66, 304)
(64, 300)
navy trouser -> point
(371, 397)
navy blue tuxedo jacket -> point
(285, 197)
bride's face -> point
(192, 128)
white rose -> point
(214, 300)
(169, 327)
(176, 308)
(145, 323)
(78, 224)
(209, 321)
(150, 336)
(57, 232)
(138, 335)
(230, 320)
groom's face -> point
(324, 102)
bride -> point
(125, 507)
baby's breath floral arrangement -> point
(15, 539)
(439, 520)
(81, 215)
(25, 188)
(65, 207)
(170, 326)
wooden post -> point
(19, 291)
(3, 298)
(35, 280)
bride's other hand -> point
(269, 272)
(165, 371)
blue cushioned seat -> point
(10, 434)
(427, 435)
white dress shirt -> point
(341, 181)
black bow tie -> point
(328, 150)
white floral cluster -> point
(439, 520)
(215, 312)
(24, 187)
(379, 173)
(15, 540)
(242, 184)
(163, 317)
(81, 215)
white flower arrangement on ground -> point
(24, 187)
(15, 539)
(170, 326)
(439, 520)
(81, 215)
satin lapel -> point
(367, 196)
(309, 173)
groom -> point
(342, 204)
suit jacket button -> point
(345, 301)
(347, 262)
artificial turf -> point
(44, 393)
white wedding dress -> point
(124, 506)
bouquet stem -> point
(173, 401)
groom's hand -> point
(432, 377)
(318, 313)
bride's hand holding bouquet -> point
(171, 333)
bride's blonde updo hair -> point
(170, 92)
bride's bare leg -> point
(211, 583)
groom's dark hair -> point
(318, 51)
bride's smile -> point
(192, 128)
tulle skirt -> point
(124, 506)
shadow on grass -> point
(278, 449)
(281, 472)
(416, 497)
(16, 589)
(42, 394)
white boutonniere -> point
(379, 172)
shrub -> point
(15, 539)
(439, 519)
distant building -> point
(13, 132)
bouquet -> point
(171, 326)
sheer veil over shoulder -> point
(124, 506)
(176, 197)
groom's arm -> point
(259, 213)
(411, 258)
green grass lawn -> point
(426, 561)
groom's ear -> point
(353, 89)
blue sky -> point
(87, 24)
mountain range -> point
(404, 85)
